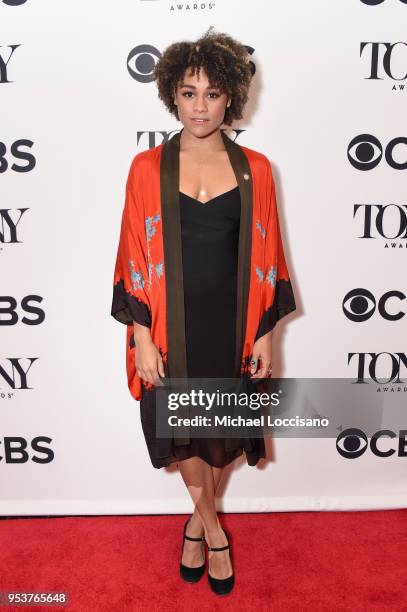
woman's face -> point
(201, 109)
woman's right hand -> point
(149, 363)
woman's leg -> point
(201, 480)
(196, 527)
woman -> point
(200, 277)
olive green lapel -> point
(171, 224)
(174, 282)
(241, 168)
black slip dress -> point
(210, 238)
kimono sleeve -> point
(278, 295)
(130, 290)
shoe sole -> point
(191, 580)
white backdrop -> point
(81, 115)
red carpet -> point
(292, 561)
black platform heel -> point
(191, 574)
(222, 586)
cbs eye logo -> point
(359, 305)
(352, 443)
(365, 152)
(141, 61)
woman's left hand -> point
(261, 353)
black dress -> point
(210, 238)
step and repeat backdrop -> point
(327, 106)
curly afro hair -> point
(225, 61)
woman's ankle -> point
(195, 526)
(215, 535)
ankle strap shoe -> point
(191, 574)
(222, 586)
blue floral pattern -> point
(270, 276)
(260, 274)
(159, 269)
(137, 279)
(150, 223)
(260, 228)
(138, 282)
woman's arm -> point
(131, 300)
(149, 363)
(262, 349)
(277, 290)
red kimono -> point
(148, 282)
